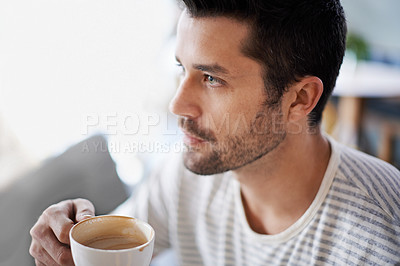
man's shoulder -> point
(361, 165)
(377, 179)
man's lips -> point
(191, 140)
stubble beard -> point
(234, 151)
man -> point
(255, 78)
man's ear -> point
(307, 93)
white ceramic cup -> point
(110, 226)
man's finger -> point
(83, 209)
(50, 249)
(58, 219)
(40, 254)
(39, 263)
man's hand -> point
(50, 234)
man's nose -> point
(186, 101)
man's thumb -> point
(83, 209)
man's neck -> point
(278, 188)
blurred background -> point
(84, 90)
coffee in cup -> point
(112, 240)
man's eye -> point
(212, 80)
(181, 68)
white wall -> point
(64, 60)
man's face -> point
(221, 98)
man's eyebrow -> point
(213, 68)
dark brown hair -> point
(290, 38)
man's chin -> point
(201, 164)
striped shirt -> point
(353, 220)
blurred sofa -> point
(85, 170)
